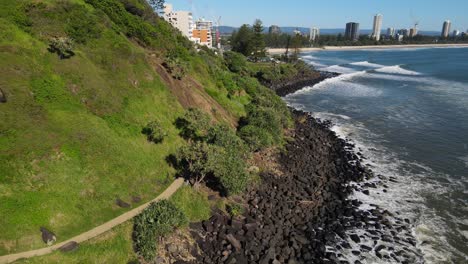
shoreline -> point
(307, 214)
(274, 51)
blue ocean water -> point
(407, 112)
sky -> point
(331, 13)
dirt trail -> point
(97, 230)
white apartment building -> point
(181, 20)
(377, 27)
(314, 33)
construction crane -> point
(218, 34)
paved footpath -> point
(97, 230)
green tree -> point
(258, 41)
(241, 41)
(194, 125)
(155, 132)
(157, 4)
(197, 160)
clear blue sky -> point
(331, 13)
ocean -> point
(406, 110)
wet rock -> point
(122, 203)
(69, 247)
(48, 236)
(3, 98)
(234, 242)
(136, 199)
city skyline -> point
(398, 14)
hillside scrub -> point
(215, 154)
(156, 221)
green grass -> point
(114, 246)
(70, 136)
(194, 203)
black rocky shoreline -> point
(294, 85)
(306, 215)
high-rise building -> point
(352, 31)
(314, 33)
(446, 28)
(413, 32)
(181, 20)
(403, 32)
(377, 27)
(274, 29)
(456, 33)
(391, 32)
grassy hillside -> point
(70, 131)
(82, 78)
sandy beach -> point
(281, 50)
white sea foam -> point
(316, 64)
(308, 57)
(429, 229)
(396, 69)
(367, 64)
(338, 69)
(326, 83)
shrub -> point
(155, 132)
(177, 67)
(223, 136)
(82, 24)
(235, 62)
(231, 172)
(194, 125)
(255, 137)
(63, 46)
(159, 219)
(234, 209)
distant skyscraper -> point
(377, 27)
(314, 33)
(274, 29)
(413, 32)
(446, 29)
(403, 32)
(391, 32)
(352, 31)
(456, 33)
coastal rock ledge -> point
(303, 215)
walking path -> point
(97, 230)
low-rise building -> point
(203, 33)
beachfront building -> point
(403, 32)
(413, 32)
(456, 33)
(446, 28)
(377, 29)
(203, 33)
(391, 32)
(199, 32)
(314, 33)
(274, 29)
(182, 20)
(352, 31)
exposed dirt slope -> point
(191, 94)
